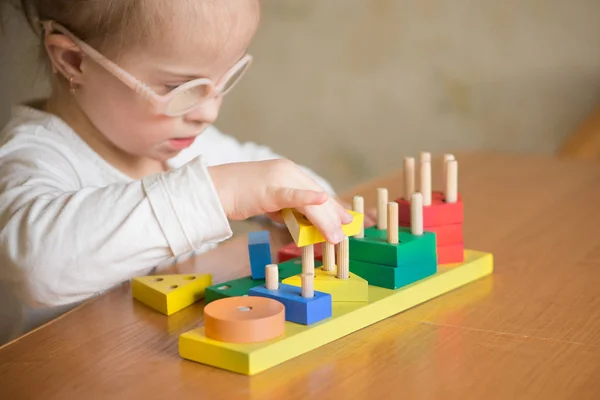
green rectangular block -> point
(373, 232)
(241, 286)
(233, 288)
(375, 249)
(394, 277)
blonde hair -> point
(101, 23)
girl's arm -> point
(219, 148)
(62, 243)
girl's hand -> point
(370, 215)
(248, 189)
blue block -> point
(297, 308)
(259, 249)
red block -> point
(437, 214)
(291, 251)
(453, 253)
(445, 234)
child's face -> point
(204, 45)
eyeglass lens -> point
(231, 80)
(188, 98)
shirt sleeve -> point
(219, 148)
(62, 243)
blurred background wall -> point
(350, 87)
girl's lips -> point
(182, 143)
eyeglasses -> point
(177, 102)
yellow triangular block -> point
(305, 233)
(170, 293)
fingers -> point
(345, 216)
(294, 198)
(327, 220)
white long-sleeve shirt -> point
(73, 226)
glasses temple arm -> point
(121, 74)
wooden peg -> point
(308, 259)
(416, 213)
(425, 156)
(392, 232)
(425, 188)
(409, 177)
(382, 200)
(328, 256)
(272, 277)
(447, 157)
(343, 259)
(307, 282)
(451, 181)
(358, 205)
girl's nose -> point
(207, 112)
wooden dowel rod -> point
(416, 214)
(382, 200)
(358, 205)
(272, 277)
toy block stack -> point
(333, 277)
(442, 209)
(319, 292)
(259, 252)
(390, 256)
(303, 304)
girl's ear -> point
(65, 57)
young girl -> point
(121, 168)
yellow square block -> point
(354, 288)
(168, 294)
(304, 232)
(348, 317)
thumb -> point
(293, 198)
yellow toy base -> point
(354, 288)
(348, 317)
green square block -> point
(394, 277)
(373, 232)
(241, 286)
(375, 249)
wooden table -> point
(532, 330)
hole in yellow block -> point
(170, 293)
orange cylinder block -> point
(244, 319)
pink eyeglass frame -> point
(160, 102)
